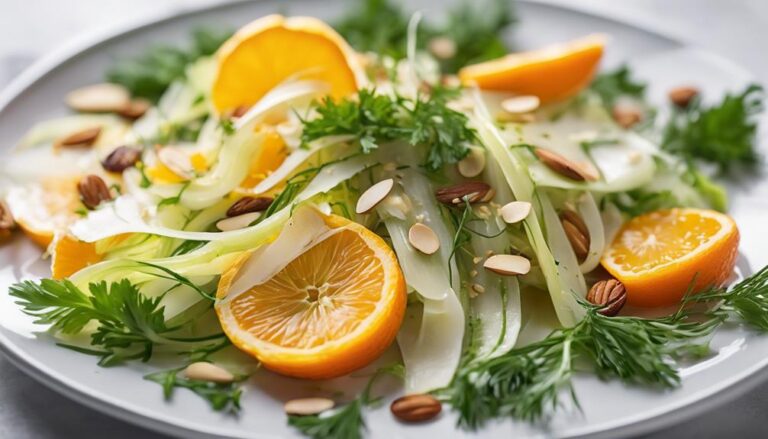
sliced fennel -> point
(590, 213)
(50, 130)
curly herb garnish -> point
(527, 383)
(221, 396)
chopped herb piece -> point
(222, 397)
(611, 86)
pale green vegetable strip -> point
(567, 265)
(590, 213)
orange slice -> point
(160, 173)
(553, 73)
(70, 255)
(272, 49)
(657, 256)
(269, 157)
(46, 207)
(333, 309)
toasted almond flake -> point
(177, 161)
(563, 166)
(308, 406)
(515, 211)
(442, 47)
(135, 109)
(423, 239)
(478, 288)
(237, 222)
(374, 195)
(473, 164)
(521, 104)
(81, 138)
(99, 98)
(508, 265)
(203, 371)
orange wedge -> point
(46, 207)
(332, 310)
(269, 157)
(660, 255)
(69, 255)
(553, 73)
(272, 49)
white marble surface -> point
(30, 28)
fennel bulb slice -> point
(590, 213)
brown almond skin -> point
(610, 294)
(576, 232)
(81, 138)
(248, 205)
(93, 191)
(416, 408)
(562, 165)
(135, 109)
(475, 190)
(626, 116)
(240, 111)
(6, 220)
(682, 97)
(122, 158)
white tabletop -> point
(30, 28)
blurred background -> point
(30, 29)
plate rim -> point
(698, 403)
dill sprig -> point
(130, 325)
(151, 73)
(222, 397)
(724, 134)
(376, 119)
(527, 383)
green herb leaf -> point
(222, 397)
(150, 74)
(376, 119)
(377, 26)
(611, 86)
(723, 135)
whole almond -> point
(135, 109)
(99, 98)
(204, 371)
(563, 166)
(93, 191)
(249, 205)
(122, 158)
(81, 138)
(576, 232)
(626, 116)
(374, 195)
(6, 220)
(416, 408)
(475, 191)
(682, 97)
(308, 406)
(610, 295)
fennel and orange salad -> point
(303, 199)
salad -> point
(302, 199)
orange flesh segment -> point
(71, 255)
(553, 73)
(273, 49)
(46, 208)
(163, 174)
(272, 154)
(658, 255)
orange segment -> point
(658, 255)
(272, 49)
(553, 73)
(46, 207)
(330, 311)
(70, 255)
(159, 173)
(271, 155)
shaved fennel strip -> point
(591, 215)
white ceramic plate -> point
(609, 409)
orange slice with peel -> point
(660, 255)
(46, 207)
(331, 310)
(552, 73)
(272, 49)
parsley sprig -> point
(724, 134)
(614, 85)
(377, 118)
(222, 397)
(527, 382)
(131, 325)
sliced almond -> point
(563, 166)
(626, 116)
(515, 211)
(521, 104)
(473, 164)
(682, 97)
(202, 371)
(82, 138)
(308, 406)
(374, 195)
(442, 47)
(237, 222)
(423, 239)
(177, 161)
(135, 109)
(99, 98)
(508, 265)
